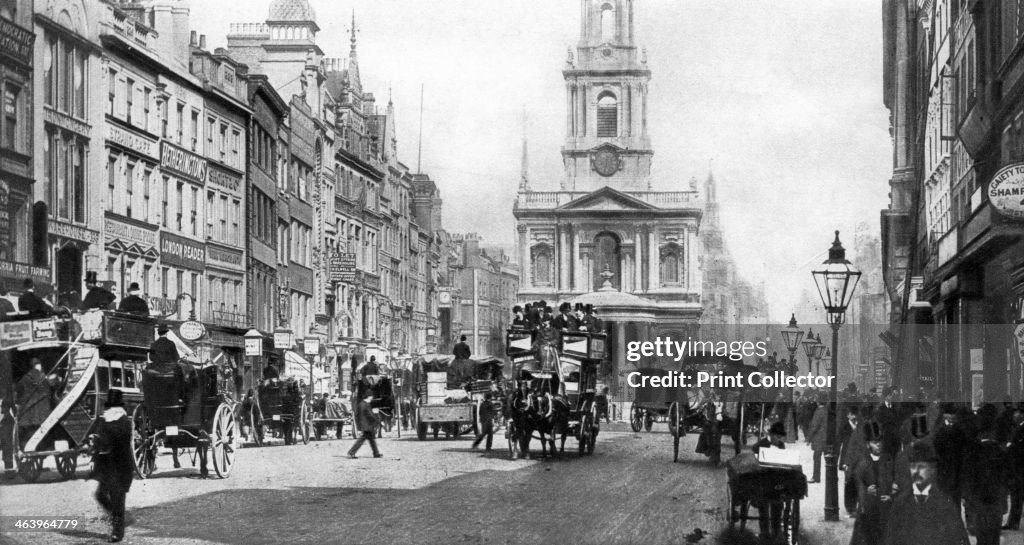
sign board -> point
(311, 346)
(343, 267)
(15, 333)
(44, 329)
(1006, 191)
(253, 346)
(282, 340)
(191, 330)
(977, 359)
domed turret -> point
(291, 10)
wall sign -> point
(1006, 191)
(182, 252)
(132, 141)
(183, 162)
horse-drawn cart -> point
(451, 401)
(279, 406)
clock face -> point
(445, 297)
(606, 162)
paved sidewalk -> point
(815, 531)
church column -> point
(584, 89)
(524, 254)
(692, 272)
(568, 110)
(563, 258)
(638, 261)
(577, 263)
(652, 254)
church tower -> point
(606, 84)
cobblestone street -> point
(629, 491)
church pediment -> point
(607, 198)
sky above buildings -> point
(782, 100)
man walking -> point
(366, 421)
(485, 416)
(113, 464)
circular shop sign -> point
(1006, 191)
(191, 330)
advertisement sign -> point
(282, 340)
(1006, 191)
(253, 346)
(191, 331)
(311, 346)
(183, 162)
(343, 268)
(15, 333)
(182, 252)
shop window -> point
(10, 120)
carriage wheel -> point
(223, 441)
(730, 514)
(30, 468)
(794, 523)
(143, 445)
(305, 423)
(636, 418)
(675, 425)
(67, 465)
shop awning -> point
(296, 366)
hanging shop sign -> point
(191, 330)
(1006, 191)
(311, 346)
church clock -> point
(606, 162)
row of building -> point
(952, 236)
(256, 186)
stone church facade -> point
(606, 237)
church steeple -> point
(606, 86)
(353, 59)
(524, 180)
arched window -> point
(541, 264)
(607, 115)
(606, 257)
(607, 23)
(671, 261)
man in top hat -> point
(163, 350)
(518, 319)
(31, 303)
(461, 350)
(924, 515)
(565, 321)
(949, 439)
(113, 461)
(97, 297)
(589, 322)
(875, 476)
(133, 304)
(985, 476)
(918, 431)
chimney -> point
(202, 42)
(192, 40)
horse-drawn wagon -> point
(279, 406)
(63, 366)
(449, 392)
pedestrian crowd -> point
(920, 471)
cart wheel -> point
(143, 445)
(305, 423)
(674, 426)
(67, 465)
(636, 419)
(223, 441)
(30, 468)
(794, 523)
(256, 424)
(730, 515)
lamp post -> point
(836, 282)
(809, 343)
(819, 353)
(791, 336)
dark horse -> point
(541, 413)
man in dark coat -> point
(984, 479)
(366, 422)
(851, 449)
(518, 318)
(461, 350)
(875, 477)
(97, 297)
(113, 462)
(33, 393)
(770, 511)
(949, 441)
(816, 436)
(31, 303)
(371, 367)
(565, 321)
(925, 514)
(1015, 455)
(133, 304)
(485, 417)
(163, 350)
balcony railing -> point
(227, 318)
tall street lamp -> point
(809, 343)
(819, 353)
(836, 282)
(791, 336)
